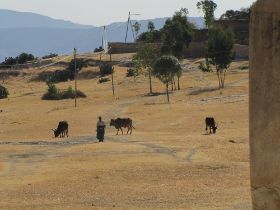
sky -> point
(104, 12)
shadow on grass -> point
(206, 134)
(159, 103)
(156, 94)
(203, 90)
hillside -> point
(169, 162)
(41, 35)
(13, 19)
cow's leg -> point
(118, 131)
(206, 129)
(121, 130)
(127, 130)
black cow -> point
(122, 123)
(62, 129)
(210, 122)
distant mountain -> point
(12, 19)
(41, 35)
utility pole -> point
(128, 21)
(75, 67)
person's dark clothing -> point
(100, 130)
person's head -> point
(100, 118)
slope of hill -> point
(13, 19)
(41, 35)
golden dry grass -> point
(168, 162)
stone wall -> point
(121, 48)
(265, 104)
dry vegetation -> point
(168, 162)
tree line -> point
(161, 51)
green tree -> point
(9, 61)
(137, 27)
(79, 64)
(177, 33)
(24, 58)
(151, 35)
(165, 68)
(208, 7)
(136, 70)
(151, 26)
(242, 14)
(145, 58)
(219, 51)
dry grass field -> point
(167, 163)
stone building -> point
(265, 104)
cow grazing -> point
(122, 123)
(210, 122)
(62, 129)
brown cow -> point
(210, 122)
(122, 123)
(62, 129)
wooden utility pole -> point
(75, 67)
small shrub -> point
(52, 55)
(205, 67)
(52, 89)
(70, 94)
(54, 93)
(53, 77)
(106, 69)
(130, 73)
(100, 49)
(103, 80)
(44, 76)
(3, 92)
(62, 75)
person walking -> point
(100, 130)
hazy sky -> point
(103, 12)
